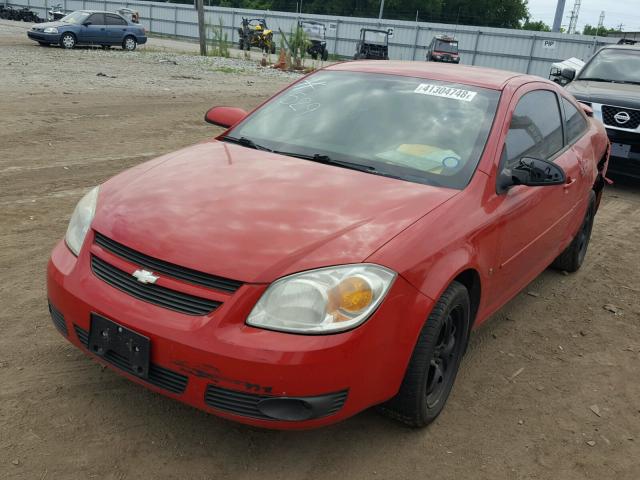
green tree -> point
(602, 31)
(538, 26)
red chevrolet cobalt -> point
(331, 250)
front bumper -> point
(218, 364)
(52, 38)
(629, 166)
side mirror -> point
(86, 24)
(225, 116)
(532, 172)
(568, 73)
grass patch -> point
(227, 70)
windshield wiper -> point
(607, 80)
(246, 142)
(326, 159)
(321, 158)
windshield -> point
(75, 18)
(613, 65)
(447, 47)
(375, 37)
(416, 129)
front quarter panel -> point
(452, 238)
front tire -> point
(129, 44)
(435, 360)
(68, 40)
(571, 259)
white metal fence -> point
(516, 50)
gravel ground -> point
(160, 65)
(548, 390)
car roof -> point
(465, 74)
(98, 11)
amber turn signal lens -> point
(353, 294)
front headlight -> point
(51, 30)
(326, 300)
(81, 221)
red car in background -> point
(332, 250)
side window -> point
(96, 19)
(536, 128)
(115, 19)
(574, 124)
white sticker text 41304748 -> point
(446, 92)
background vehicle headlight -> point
(320, 301)
(51, 30)
(81, 221)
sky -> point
(625, 12)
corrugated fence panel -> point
(517, 50)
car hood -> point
(254, 216)
(619, 94)
(51, 24)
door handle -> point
(570, 182)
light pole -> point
(381, 9)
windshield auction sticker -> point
(445, 92)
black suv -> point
(610, 84)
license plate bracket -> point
(111, 341)
(620, 150)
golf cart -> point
(443, 49)
(373, 44)
(316, 32)
(254, 33)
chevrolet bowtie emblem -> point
(145, 276)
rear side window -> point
(115, 19)
(536, 128)
(574, 124)
(96, 19)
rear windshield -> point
(416, 129)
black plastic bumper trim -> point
(58, 320)
(266, 407)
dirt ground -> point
(549, 388)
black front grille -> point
(166, 268)
(58, 320)
(246, 404)
(609, 113)
(161, 296)
(159, 376)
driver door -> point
(95, 31)
(532, 221)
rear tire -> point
(129, 44)
(435, 360)
(68, 40)
(571, 259)
(325, 55)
